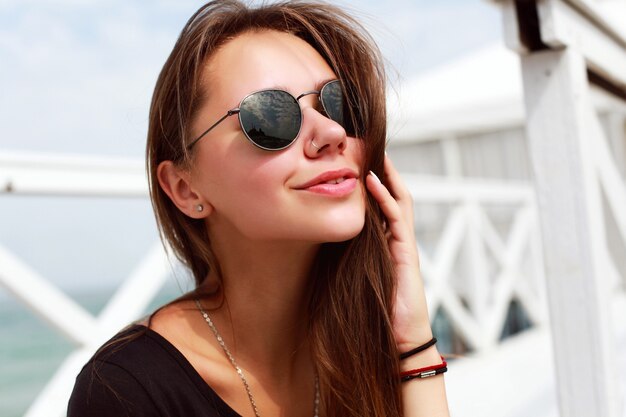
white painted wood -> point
(126, 305)
(616, 283)
(419, 159)
(478, 293)
(445, 190)
(562, 24)
(491, 265)
(617, 135)
(67, 175)
(509, 276)
(137, 291)
(438, 267)
(571, 220)
(470, 331)
(45, 300)
(52, 400)
(76, 176)
(609, 176)
(595, 11)
(534, 285)
(500, 155)
(511, 28)
(453, 167)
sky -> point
(76, 77)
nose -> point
(322, 136)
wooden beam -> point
(577, 24)
(558, 109)
(71, 176)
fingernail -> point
(375, 177)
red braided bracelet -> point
(424, 372)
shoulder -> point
(139, 373)
(113, 382)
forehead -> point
(264, 59)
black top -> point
(144, 377)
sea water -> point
(31, 350)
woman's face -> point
(275, 195)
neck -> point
(264, 316)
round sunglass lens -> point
(332, 100)
(334, 106)
(270, 118)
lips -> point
(337, 183)
(330, 177)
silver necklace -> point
(240, 372)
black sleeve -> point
(107, 390)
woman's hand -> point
(411, 325)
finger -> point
(396, 185)
(399, 190)
(385, 200)
(396, 221)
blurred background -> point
(78, 238)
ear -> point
(176, 183)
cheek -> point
(242, 191)
(232, 172)
(247, 196)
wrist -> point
(417, 336)
(428, 357)
(418, 349)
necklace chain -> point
(231, 358)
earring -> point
(314, 145)
(199, 208)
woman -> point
(266, 128)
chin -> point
(342, 231)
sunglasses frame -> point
(237, 111)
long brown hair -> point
(351, 295)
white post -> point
(477, 286)
(560, 138)
(453, 166)
(617, 135)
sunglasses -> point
(272, 119)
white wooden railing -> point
(472, 270)
(73, 176)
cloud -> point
(80, 84)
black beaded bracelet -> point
(418, 349)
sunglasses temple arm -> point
(228, 114)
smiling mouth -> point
(330, 178)
(336, 187)
(335, 181)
